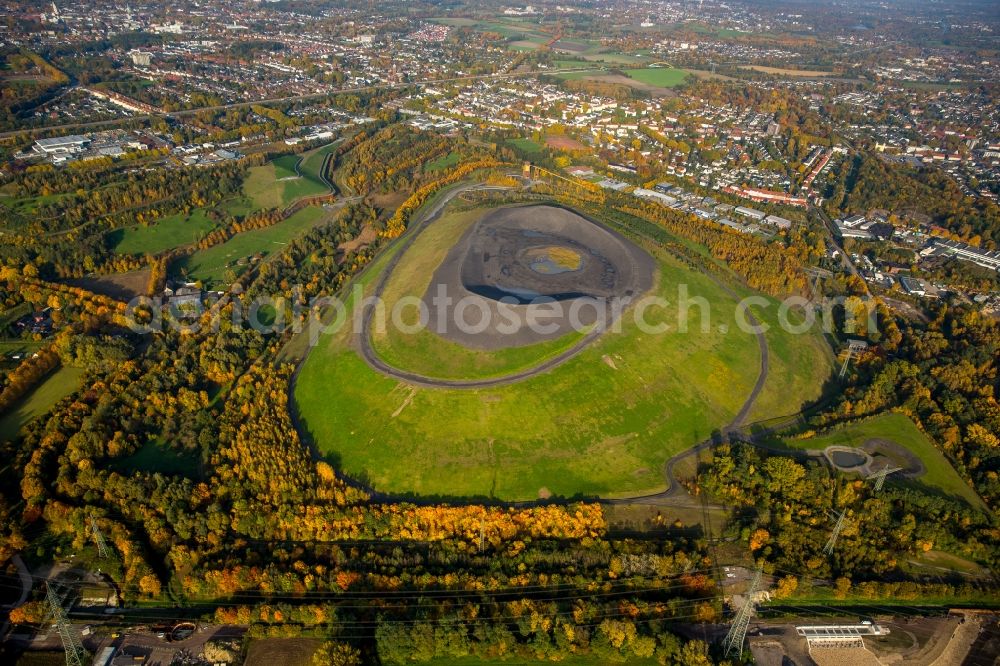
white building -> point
(62, 145)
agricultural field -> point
(287, 178)
(900, 429)
(602, 423)
(53, 388)
(210, 265)
(576, 76)
(785, 71)
(164, 234)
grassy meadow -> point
(603, 423)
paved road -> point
(674, 494)
(373, 360)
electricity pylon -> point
(75, 654)
(847, 360)
(738, 632)
(102, 547)
(879, 476)
(831, 543)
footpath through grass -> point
(427, 353)
(603, 423)
(277, 184)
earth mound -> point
(526, 274)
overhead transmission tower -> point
(102, 546)
(738, 632)
(831, 543)
(847, 360)
(75, 654)
(879, 476)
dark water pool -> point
(847, 459)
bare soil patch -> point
(901, 456)
(285, 651)
(516, 255)
(784, 71)
(119, 286)
(363, 239)
(563, 143)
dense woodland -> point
(869, 182)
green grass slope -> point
(603, 423)
(900, 429)
(163, 235)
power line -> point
(738, 632)
(102, 547)
(75, 653)
(831, 543)
(879, 476)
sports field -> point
(900, 429)
(53, 388)
(210, 265)
(162, 235)
(661, 77)
(529, 146)
(603, 423)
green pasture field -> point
(39, 401)
(574, 76)
(527, 145)
(276, 183)
(164, 234)
(662, 77)
(210, 265)
(444, 162)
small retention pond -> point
(848, 459)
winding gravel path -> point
(674, 493)
(373, 359)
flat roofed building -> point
(73, 143)
(750, 212)
(984, 258)
(778, 221)
(826, 633)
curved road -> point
(674, 491)
(373, 359)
